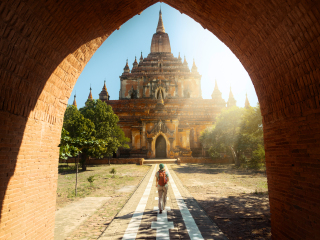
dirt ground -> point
(118, 187)
(236, 200)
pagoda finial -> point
(141, 58)
(75, 101)
(104, 95)
(104, 85)
(126, 67)
(90, 94)
(160, 27)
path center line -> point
(134, 224)
(191, 225)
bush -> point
(91, 179)
(113, 171)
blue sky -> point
(214, 60)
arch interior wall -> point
(46, 44)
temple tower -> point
(160, 40)
(160, 70)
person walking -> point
(162, 179)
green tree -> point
(93, 130)
(77, 125)
(251, 133)
(106, 126)
(237, 131)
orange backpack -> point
(162, 178)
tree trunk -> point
(234, 156)
(83, 161)
(109, 160)
(76, 176)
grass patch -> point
(102, 183)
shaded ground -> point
(119, 188)
(236, 200)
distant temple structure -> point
(160, 104)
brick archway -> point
(46, 44)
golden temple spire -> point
(160, 27)
(104, 86)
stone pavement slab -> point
(72, 216)
(183, 219)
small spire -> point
(104, 86)
(231, 101)
(230, 93)
(216, 84)
(185, 60)
(75, 101)
(217, 96)
(141, 58)
(179, 56)
(135, 63)
(90, 94)
(160, 27)
(126, 68)
(247, 104)
(104, 95)
(194, 67)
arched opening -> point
(47, 45)
(160, 94)
(161, 147)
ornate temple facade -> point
(160, 104)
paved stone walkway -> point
(183, 219)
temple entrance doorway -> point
(161, 148)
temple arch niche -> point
(161, 147)
(160, 93)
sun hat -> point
(161, 166)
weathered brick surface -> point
(45, 45)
